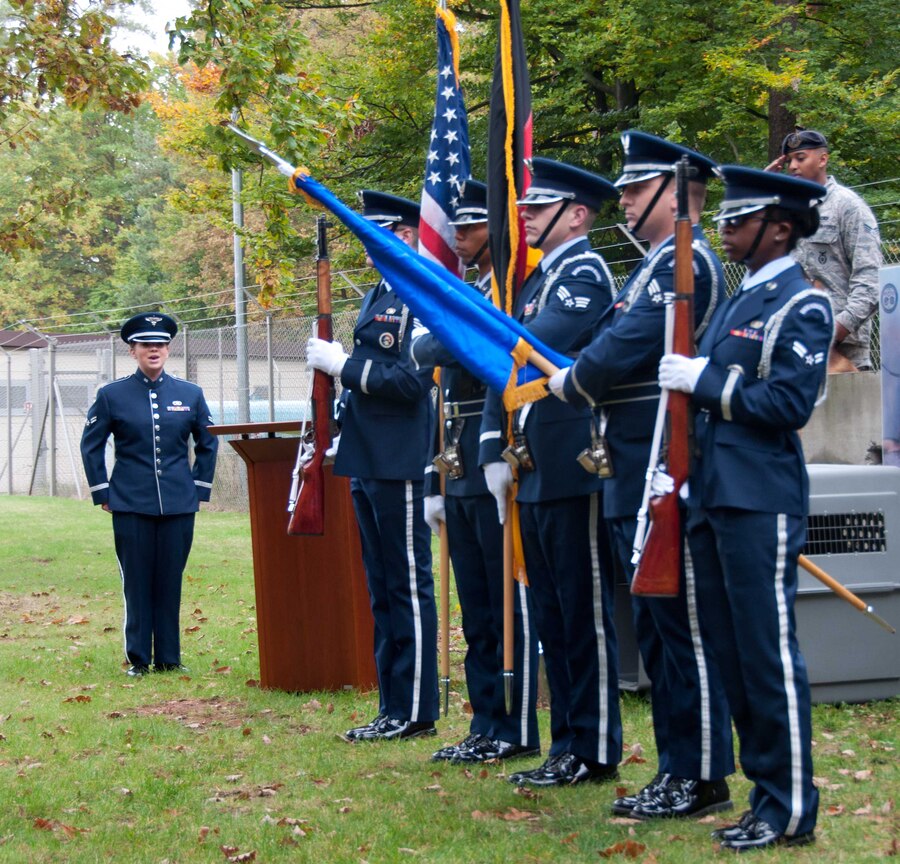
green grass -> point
(97, 768)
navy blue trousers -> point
(569, 566)
(475, 537)
(746, 571)
(396, 550)
(691, 723)
(152, 553)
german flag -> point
(509, 145)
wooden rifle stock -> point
(308, 511)
(658, 572)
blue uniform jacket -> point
(151, 422)
(618, 370)
(768, 350)
(560, 306)
(388, 414)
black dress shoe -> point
(756, 833)
(447, 754)
(391, 729)
(570, 770)
(523, 778)
(354, 733)
(488, 749)
(136, 671)
(624, 805)
(747, 818)
(682, 798)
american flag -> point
(448, 164)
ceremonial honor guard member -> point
(616, 375)
(760, 371)
(153, 491)
(565, 544)
(387, 424)
(475, 535)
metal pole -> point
(112, 361)
(221, 378)
(9, 441)
(51, 435)
(187, 353)
(240, 303)
(269, 363)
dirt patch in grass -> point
(200, 714)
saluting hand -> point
(330, 357)
(677, 372)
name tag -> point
(178, 407)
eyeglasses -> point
(737, 221)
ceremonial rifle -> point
(657, 555)
(307, 503)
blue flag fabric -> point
(482, 338)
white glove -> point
(498, 476)
(327, 356)
(557, 382)
(331, 452)
(435, 512)
(677, 372)
(661, 483)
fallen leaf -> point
(834, 810)
(862, 775)
(193, 629)
(628, 848)
(251, 682)
(202, 833)
(223, 670)
(79, 698)
(266, 739)
(863, 811)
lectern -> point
(314, 622)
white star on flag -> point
(447, 162)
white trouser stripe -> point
(124, 607)
(690, 591)
(790, 682)
(526, 664)
(600, 631)
(414, 600)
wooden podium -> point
(314, 621)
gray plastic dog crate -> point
(854, 536)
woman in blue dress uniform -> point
(154, 490)
(759, 373)
(387, 423)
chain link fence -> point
(49, 382)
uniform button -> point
(155, 405)
(156, 416)
(152, 395)
(156, 427)
(159, 473)
(157, 437)
(358, 341)
(158, 450)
